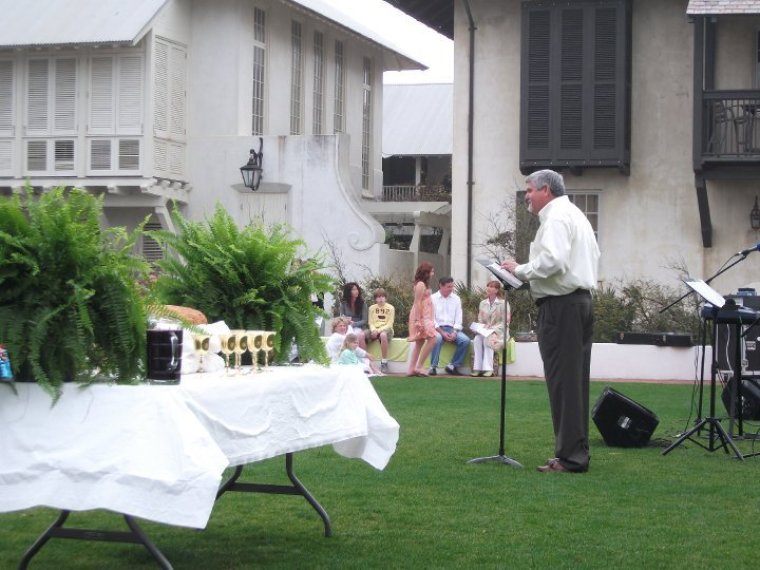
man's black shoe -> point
(433, 371)
(453, 370)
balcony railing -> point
(731, 126)
(412, 193)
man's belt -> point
(541, 300)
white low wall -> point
(622, 361)
(608, 361)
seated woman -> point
(354, 307)
(489, 329)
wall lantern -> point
(754, 216)
(252, 170)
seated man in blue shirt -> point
(447, 314)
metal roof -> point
(74, 22)
(399, 59)
(436, 14)
(30, 23)
(697, 7)
(418, 119)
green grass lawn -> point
(430, 509)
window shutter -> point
(161, 92)
(571, 84)
(130, 94)
(36, 156)
(6, 98)
(129, 154)
(176, 160)
(37, 97)
(177, 63)
(100, 154)
(151, 249)
(605, 79)
(63, 156)
(161, 157)
(65, 95)
(101, 95)
(538, 74)
(6, 156)
(575, 84)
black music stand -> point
(509, 282)
(716, 432)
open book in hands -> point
(481, 329)
(502, 274)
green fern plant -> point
(70, 304)
(249, 277)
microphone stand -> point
(501, 456)
(742, 257)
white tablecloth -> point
(286, 409)
(158, 452)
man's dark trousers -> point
(565, 329)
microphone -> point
(746, 252)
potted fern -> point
(70, 302)
(251, 278)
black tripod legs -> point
(717, 433)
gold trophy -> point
(241, 346)
(201, 347)
(268, 346)
(255, 345)
(228, 347)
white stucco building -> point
(648, 107)
(153, 101)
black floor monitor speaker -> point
(750, 398)
(621, 421)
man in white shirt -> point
(562, 271)
(447, 314)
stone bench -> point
(400, 350)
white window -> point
(51, 109)
(7, 89)
(7, 111)
(259, 71)
(319, 82)
(63, 155)
(51, 104)
(588, 203)
(51, 156)
(36, 156)
(170, 97)
(116, 94)
(296, 79)
(6, 157)
(170, 101)
(340, 90)
(366, 123)
(151, 250)
(115, 155)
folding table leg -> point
(56, 530)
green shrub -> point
(70, 302)
(632, 306)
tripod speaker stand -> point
(509, 282)
(716, 433)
